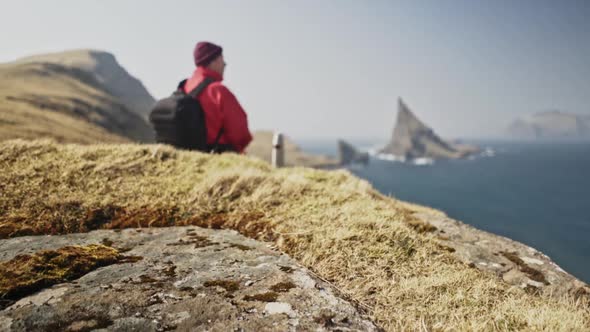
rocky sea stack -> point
(413, 139)
(348, 154)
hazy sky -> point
(335, 68)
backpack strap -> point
(196, 91)
(218, 136)
(215, 147)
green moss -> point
(26, 274)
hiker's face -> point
(218, 65)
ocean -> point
(535, 193)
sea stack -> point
(348, 154)
(413, 139)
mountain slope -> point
(108, 72)
(413, 139)
(67, 100)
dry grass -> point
(40, 99)
(26, 274)
(331, 222)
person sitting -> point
(226, 120)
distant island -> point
(412, 139)
(551, 125)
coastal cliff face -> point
(378, 253)
(78, 96)
(514, 262)
(552, 125)
(413, 139)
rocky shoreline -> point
(514, 262)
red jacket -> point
(221, 109)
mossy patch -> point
(170, 271)
(145, 279)
(198, 240)
(107, 242)
(26, 274)
(282, 287)
(286, 269)
(262, 297)
(228, 285)
(447, 248)
(325, 318)
(240, 246)
(421, 226)
(532, 273)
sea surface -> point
(535, 193)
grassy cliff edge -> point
(364, 243)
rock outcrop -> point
(348, 154)
(512, 261)
(413, 139)
(77, 96)
(184, 279)
(552, 125)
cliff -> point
(552, 125)
(107, 71)
(77, 96)
(387, 258)
(413, 139)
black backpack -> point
(179, 120)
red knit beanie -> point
(205, 53)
